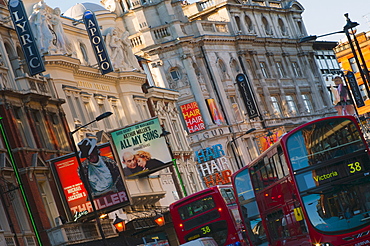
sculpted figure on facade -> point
(62, 43)
(120, 50)
(39, 21)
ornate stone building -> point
(190, 56)
(199, 49)
(40, 111)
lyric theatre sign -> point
(213, 166)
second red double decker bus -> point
(209, 213)
(312, 187)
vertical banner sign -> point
(97, 42)
(247, 95)
(26, 38)
(192, 116)
(355, 89)
(217, 117)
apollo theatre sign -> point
(97, 42)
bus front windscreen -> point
(332, 171)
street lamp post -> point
(363, 72)
(346, 29)
(84, 178)
(180, 190)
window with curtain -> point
(307, 103)
(264, 70)
(296, 69)
(280, 69)
(276, 106)
(42, 131)
(291, 104)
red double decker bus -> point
(209, 213)
(312, 187)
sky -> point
(320, 16)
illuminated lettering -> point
(325, 176)
(354, 167)
(97, 42)
(26, 38)
(78, 215)
(223, 177)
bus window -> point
(297, 151)
(283, 162)
(279, 169)
(271, 174)
(196, 207)
(228, 195)
(256, 179)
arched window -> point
(84, 53)
(223, 69)
(267, 26)
(235, 66)
(237, 21)
(249, 23)
(282, 27)
(300, 27)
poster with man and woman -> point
(141, 148)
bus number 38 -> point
(206, 230)
(354, 167)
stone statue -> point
(62, 44)
(39, 21)
(121, 51)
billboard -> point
(264, 141)
(192, 116)
(141, 149)
(73, 190)
(217, 117)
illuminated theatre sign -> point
(192, 116)
(213, 166)
(97, 42)
(26, 37)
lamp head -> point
(308, 38)
(164, 132)
(350, 24)
(119, 224)
(250, 130)
(159, 219)
(103, 115)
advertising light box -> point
(141, 149)
(73, 191)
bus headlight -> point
(323, 244)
